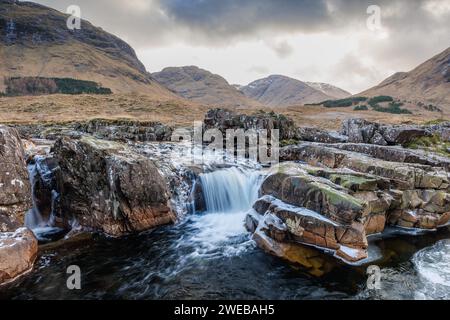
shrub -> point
(20, 86)
(342, 103)
(393, 107)
(379, 99)
(360, 108)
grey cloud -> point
(217, 22)
(283, 49)
(258, 69)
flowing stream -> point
(209, 255)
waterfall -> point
(41, 218)
(34, 218)
(230, 190)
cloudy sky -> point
(311, 40)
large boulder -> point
(286, 222)
(107, 187)
(363, 131)
(289, 184)
(15, 189)
(18, 251)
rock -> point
(358, 130)
(351, 254)
(15, 189)
(363, 131)
(284, 223)
(402, 176)
(310, 259)
(196, 197)
(318, 135)
(402, 135)
(224, 119)
(293, 186)
(124, 130)
(107, 187)
(18, 251)
(395, 154)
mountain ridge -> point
(200, 85)
(35, 41)
(282, 91)
(429, 82)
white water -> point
(433, 267)
(34, 220)
(230, 190)
(229, 193)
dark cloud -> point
(417, 29)
(219, 18)
(283, 49)
(216, 22)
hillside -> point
(202, 86)
(282, 91)
(329, 90)
(35, 41)
(429, 83)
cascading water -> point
(42, 176)
(230, 190)
(228, 193)
(33, 218)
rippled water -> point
(210, 256)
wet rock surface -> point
(15, 189)
(108, 187)
(355, 187)
(18, 251)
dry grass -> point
(65, 108)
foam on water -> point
(229, 193)
(433, 267)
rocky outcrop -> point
(15, 190)
(18, 251)
(118, 130)
(362, 131)
(108, 187)
(286, 223)
(124, 130)
(318, 135)
(401, 175)
(224, 119)
(333, 199)
(395, 154)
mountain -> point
(35, 41)
(428, 83)
(329, 90)
(202, 86)
(282, 91)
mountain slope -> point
(202, 86)
(329, 90)
(282, 91)
(35, 41)
(429, 83)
